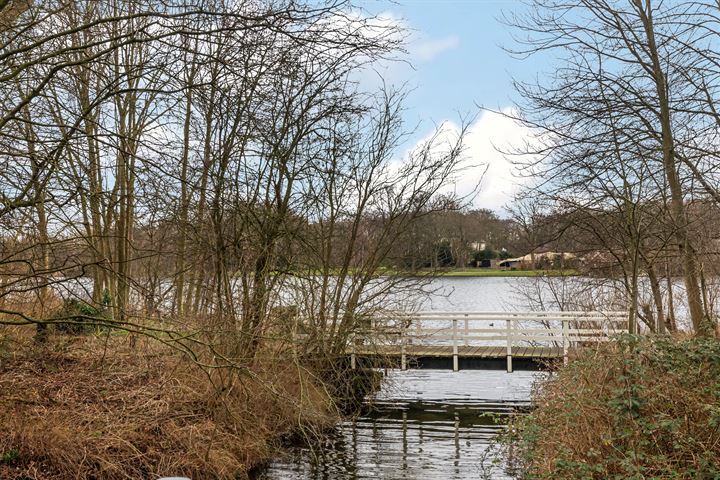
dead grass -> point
(92, 407)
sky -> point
(456, 50)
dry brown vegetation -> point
(636, 408)
(93, 407)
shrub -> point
(79, 313)
(443, 254)
(632, 409)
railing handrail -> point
(569, 327)
(417, 326)
(618, 317)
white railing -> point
(509, 329)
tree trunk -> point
(657, 297)
(701, 323)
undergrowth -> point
(94, 408)
(638, 408)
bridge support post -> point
(456, 366)
(403, 356)
(509, 345)
(467, 330)
(353, 361)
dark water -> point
(425, 424)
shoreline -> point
(467, 272)
(648, 397)
(507, 273)
(84, 413)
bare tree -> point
(614, 125)
(196, 163)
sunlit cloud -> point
(487, 143)
(426, 50)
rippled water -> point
(477, 294)
(424, 424)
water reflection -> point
(424, 424)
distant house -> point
(598, 259)
(526, 261)
(510, 263)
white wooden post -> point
(403, 358)
(455, 345)
(467, 330)
(565, 340)
(509, 345)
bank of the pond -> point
(482, 272)
(93, 407)
(633, 409)
(462, 272)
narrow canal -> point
(424, 424)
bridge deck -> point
(446, 351)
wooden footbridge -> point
(412, 339)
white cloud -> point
(426, 50)
(487, 141)
(418, 47)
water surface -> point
(424, 424)
(427, 424)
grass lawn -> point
(482, 272)
(468, 272)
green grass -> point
(465, 272)
(508, 273)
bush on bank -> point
(638, 408)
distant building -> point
(477, 246)
(510, 263)
(532, 259)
